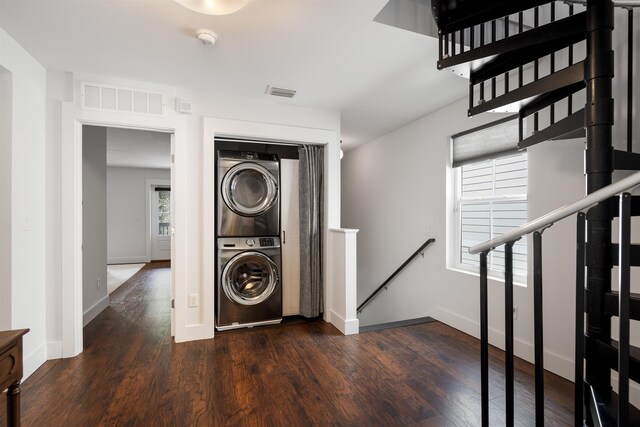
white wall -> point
(127, 216)
(5, 198)
(59, 89)
(94, 222)
(395, 190)
(27, 198)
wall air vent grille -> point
(96, 96)
(278, 91)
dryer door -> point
(250, 278)
(249, 189)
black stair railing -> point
(385, 284)
(536, 227)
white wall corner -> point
(54, 350)
(94, 310)
(343, 273)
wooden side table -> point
(11, 372)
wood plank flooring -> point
(132, 374)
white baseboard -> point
(54, 350)
(34, 360)
(96, 309)
(559, 365)
(347, 327)
(196, 332)
(128, 260)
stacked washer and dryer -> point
(249, 288)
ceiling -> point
(331, 51)
(138, 148)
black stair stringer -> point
(565, 77)
(559, 129)
(455, 15)
(552, 36)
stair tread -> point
(562, 78)
(562, 127)
(625, 160)
(454, 15)
(611, 305)
(634, 258)
(550, 38)
(549, 98)
(607, 404)
(557, 32)
(606, 353)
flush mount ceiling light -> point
(214, 7)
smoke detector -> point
(278, 91)
(207, 37)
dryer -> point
(248, 194)
(249, 291)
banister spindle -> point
(579, 342)
(484, 340)
(538, 332)
(508, 332)
(630, 81)
(624, 274)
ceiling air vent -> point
(278, 91)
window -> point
(490, 198)
(163, 196)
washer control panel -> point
(251, 242)
(266, 241)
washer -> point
(248, 194)
(249, 291)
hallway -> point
(132, 374)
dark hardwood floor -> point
(132, 374)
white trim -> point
(93, 311)
(54, 350)
(347, 327)
(128, 260)
(73, 118)
(553, 362)
(34, 360)
(277, 133)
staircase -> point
(552, 64)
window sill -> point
(517, 280)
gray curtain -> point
(311, 182)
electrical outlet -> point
(515, 312)
(194, 300)
(98, 283)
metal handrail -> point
(395, 273)
(550, 218)
(627, 3)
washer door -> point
(250, 278)
(249, 189)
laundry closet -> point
(258, 233)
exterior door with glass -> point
(161, 223)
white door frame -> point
(73, 118)
(151, 184)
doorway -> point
(124, 229)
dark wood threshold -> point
(398, 324)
